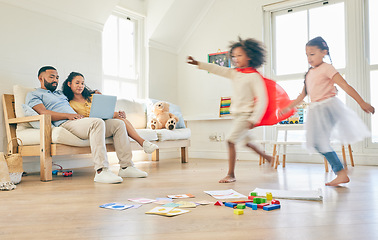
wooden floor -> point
(68, 208)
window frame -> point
(140, 53)
(356, 66)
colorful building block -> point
(230, 204)
(269, 196)
(253, 194)
(257, 200)
(240, 206)
(251, 197)
(249, 204)
(274, 201)
(254, 206)
(272, 207)
(238, 211)
(261, 205)
(218, 203)
(242, 201)
(263, 200)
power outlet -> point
(213, 137)
(217, 137)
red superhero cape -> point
(277, 100)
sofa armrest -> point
(27, 119)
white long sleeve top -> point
(249, 90)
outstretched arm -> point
(339, 80)
(192, 61)
(295, 102)
(212, 68)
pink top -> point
(319, 83)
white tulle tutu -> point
(332, 120)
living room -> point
(69, 35)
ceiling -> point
(173, 20)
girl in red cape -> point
(254, 99)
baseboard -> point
(31, 164)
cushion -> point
(177, 134)
(176, 110)
(147, 134)
(20, 93)
(135, 112)
(30, 136)
(28, 111)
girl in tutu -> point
(328, 117)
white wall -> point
(30, 40)
(162, 75)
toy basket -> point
(14, 162)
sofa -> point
(41, 139)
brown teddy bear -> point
(163, 118)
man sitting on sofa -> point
(48, 100)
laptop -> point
(103, 106)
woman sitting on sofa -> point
(80, 97)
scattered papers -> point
(162, 202)
(116, 206)
(136, 205)
(185, 204)
(167, 211)
(181, 196)
(204, 202)
(142, 200)
(296, 195)
(225, 194)
(171, 205)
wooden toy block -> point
(253, 194)
(242, 201)
(257, 200)
(263, 200)
(251, 197)
(238, 211)
(218, 203)
(249, 204)
(269, 196)
(240, 206)
(261, 205)
(254, 206)
(272, 207)
(230, 204)
(274, 201)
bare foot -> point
(342, 177)
(227, 179)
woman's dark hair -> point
(87, 92)
(254, 49)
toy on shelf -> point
(299, 116)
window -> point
(347, 26)
(373, 62)
(121, 53)
(293, 28)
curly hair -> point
(254, 49)
(87, 92)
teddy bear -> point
(163, 118)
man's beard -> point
(49, 86)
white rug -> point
(293, 194)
